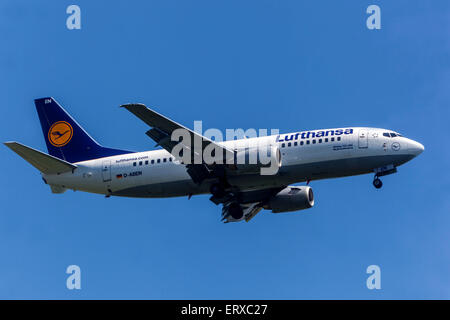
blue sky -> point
(291, 65)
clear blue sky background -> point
(292, 65)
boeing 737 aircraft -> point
(76, 161)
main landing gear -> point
(377, 183)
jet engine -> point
(262, 160)
(291, 198)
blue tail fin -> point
(65, 138)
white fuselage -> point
(308, 155)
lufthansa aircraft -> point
(76, 161)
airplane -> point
(76, 161)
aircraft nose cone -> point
(416, 148)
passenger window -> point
(301, 143)
(140, 163)
(326, 139)
(170, 159)
(338, 138)
(314, 141)
(146, 162)
(307, 141)
(283, 145)
(289, 144)
(134, 164)
(320, 140)
(153, 161)
(295, 143)
(332, 139)
(159, 160)
(164, 160)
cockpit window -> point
(391, 134)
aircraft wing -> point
(161, 132)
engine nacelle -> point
(291, 198)
(265, 161)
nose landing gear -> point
(382, 171)
(377, 182)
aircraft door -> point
(362, 139)
(106, 170)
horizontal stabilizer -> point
(43, 162)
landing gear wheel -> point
(377, 183)
(236, 211)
